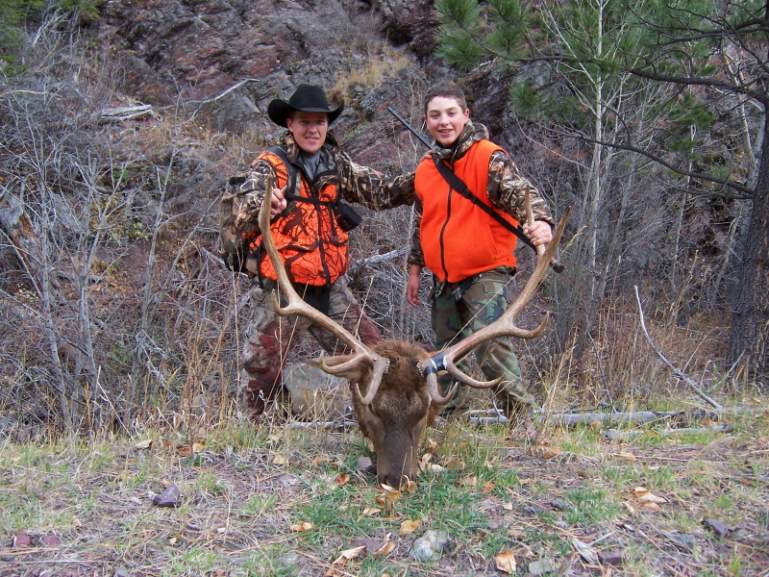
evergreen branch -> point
(749, 192)
(699, 81)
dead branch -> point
(122, 113)
(615, 435)
(676, 371)
(357, 267)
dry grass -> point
(78, 508)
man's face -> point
(446, 118)
(309, 129)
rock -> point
(614, 557)
(718, 527)
(430, 545)
(170, 497)
(314, 394)
(289, 561)
(560, 505)
(411, 22)
(541, 567)
(683, 541)
(366, 466)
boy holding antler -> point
(471, 252)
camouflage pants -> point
(464, 308)
(269, 338)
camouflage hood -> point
(286, 141)
(472, 133)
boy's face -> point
(446, 118)
(309, 129)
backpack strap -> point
(456, 183)
(290, 193)
(292, 170)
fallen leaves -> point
(348, 554)
(301, 527)
(143, 445)
(187, 449)
(280, 460)
(505, 562)
(589, 554)
(387, 547)
(342, 479)
(648, 500)
(23, 539)
(409, 526)
(625, 456)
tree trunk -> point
(749, 338)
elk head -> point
(394, 383)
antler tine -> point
(435, 392)
(504, 325)
(467, 379)
(296, 306)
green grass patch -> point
(335, 511)
(590, 506)
(258, 504)
(237, 437)
(271, 561)
(443, 504)
(194, 561)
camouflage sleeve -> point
(259, 177)
(372, 188)
(507, 189)
(415, 254)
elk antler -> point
(296, 306)
(503, 326)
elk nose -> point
(392, 479)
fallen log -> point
(615, 435)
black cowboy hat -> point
(306, 98)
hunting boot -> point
(520, 417)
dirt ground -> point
(290, 499)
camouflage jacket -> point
(506, 187)
(355, 183)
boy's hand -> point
(539, 233)
(412, 286)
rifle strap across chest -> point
(456, 183)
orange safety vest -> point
(458, 239)
(310, 242)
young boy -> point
(470, 254)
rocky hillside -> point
(146, 110)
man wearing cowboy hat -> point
(310, 177)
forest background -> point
(120, 122)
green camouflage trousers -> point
(460, 309)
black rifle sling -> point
(456, 183)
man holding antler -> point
(468, 250)
(310, 178)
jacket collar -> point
(472, 133)
(327, 161)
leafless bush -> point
(113, 302)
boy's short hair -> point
(447, 90)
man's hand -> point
(412, 286)
(539, 233)
(278, 201)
